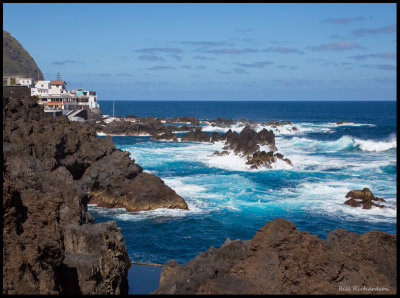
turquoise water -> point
(226, 199)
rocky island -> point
(363, 198)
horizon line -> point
(233, 100)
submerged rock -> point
(345, 122)
(223, 153)
(363, 198)
(284, 260)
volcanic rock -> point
(99, 254)
(244, 143)
(49, 167)
(213, 263)
(165, 136)
(264, 159)
(196, 136)
(284, 260)
(363, 198)
(145, 192)
(217, 153)
(184, 119)
(266, 137)
(345, 122)
(145, 125)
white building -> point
(91, 95)
(54, 96)
(58, 87)
(24, 82)
(41, 88)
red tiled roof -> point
(57, 82)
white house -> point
(91, 95)
(41, 88)
(58, 87)
(24, 82)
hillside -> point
(17, 61)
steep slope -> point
(17, 61)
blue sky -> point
(258, 51)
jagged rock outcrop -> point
(363, 198)
(134, 125)
(196, 136)
(213, 263)
(94, 163)
(99, 254)
(50, 166)
(245, 144)
(169, 136)
(284, 260)
(222, 153)
(184, 119)
(145, 192)
(137, 126)
(264, 159)
(39, 207)
(222, 122)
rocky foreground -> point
(51, 169)
(283, 260)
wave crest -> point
(373, 145)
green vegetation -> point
(17, 61)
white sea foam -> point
(238, 127)
(121, 135)
(352, 124)
(345, 142)
(310, 146)
(184, 189)
(373, 145)
(328, 197)
(287, 129)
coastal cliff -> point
(51, 244)
(283, 260)
(17, 61)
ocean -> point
(227, 199)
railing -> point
(48, 108)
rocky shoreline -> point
(52, 168)
(283, 260)
(245, 144)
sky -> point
(209, 51)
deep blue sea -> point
(227, 199)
